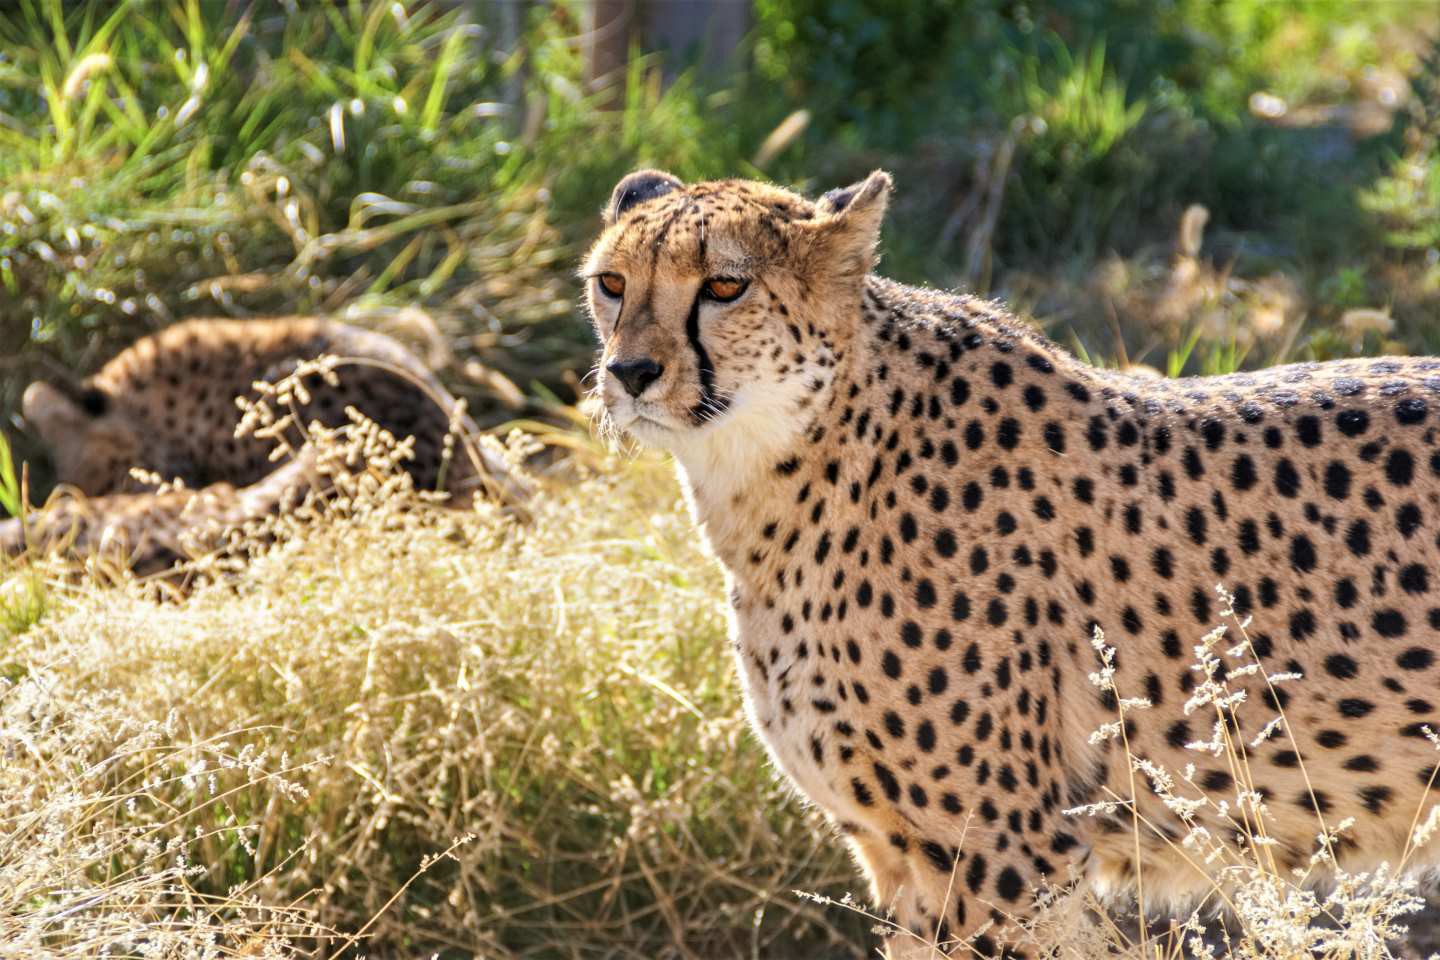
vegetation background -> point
(1176, 186)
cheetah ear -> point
(50, 411)
(848, 223)
(636, 188)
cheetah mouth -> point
(637, 420)
(650, 421)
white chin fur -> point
(720, 458)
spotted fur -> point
(147, 533)
(924, 509)
(166, 405)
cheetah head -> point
(92, 444)
(723, 308)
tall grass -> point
(550, 705)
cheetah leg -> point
(971, 900)
(931, 913)
(937, 917)
(883, 864)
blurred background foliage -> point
(434, 169)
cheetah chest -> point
(813, 715)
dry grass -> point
(552, 703)
(401, 729)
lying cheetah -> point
(166, 405)
(924, 510)
(146, 534)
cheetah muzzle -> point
(924, 510)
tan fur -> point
(167, 405)
(924, 509)
(146, 533)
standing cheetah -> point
(924, 510)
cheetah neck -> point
(721, 467)
(741, 477)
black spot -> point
(959, 391)
(1410, 411)
(1214, 433)
(1194, 469)
(996, 613)
(1414, 578)
(1352, 423)
(1337, 480)
(1195, 524)
(888, 783)
(1302, 554)
(1054, 437)
(1400, 468)
(1357, 538)
(1389, 623)
(1007, 434)
(959, 711)
(1287, 479)
(1242, 473)
(1009, 884)
(1163, 562)
(94, 402)
(1416, 658)
(893, 724)
(1217, 780)
(1307, 428)
(1249, 536)
(974, 435)
(1407, 520)
(1341, 667)
(910, 633)
(960, 607)
(1355, 708)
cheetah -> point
(924, 510)
(147, 534)
(167, 406)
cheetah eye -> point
(612, 285)
(724, 289)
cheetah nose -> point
(636, 375)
